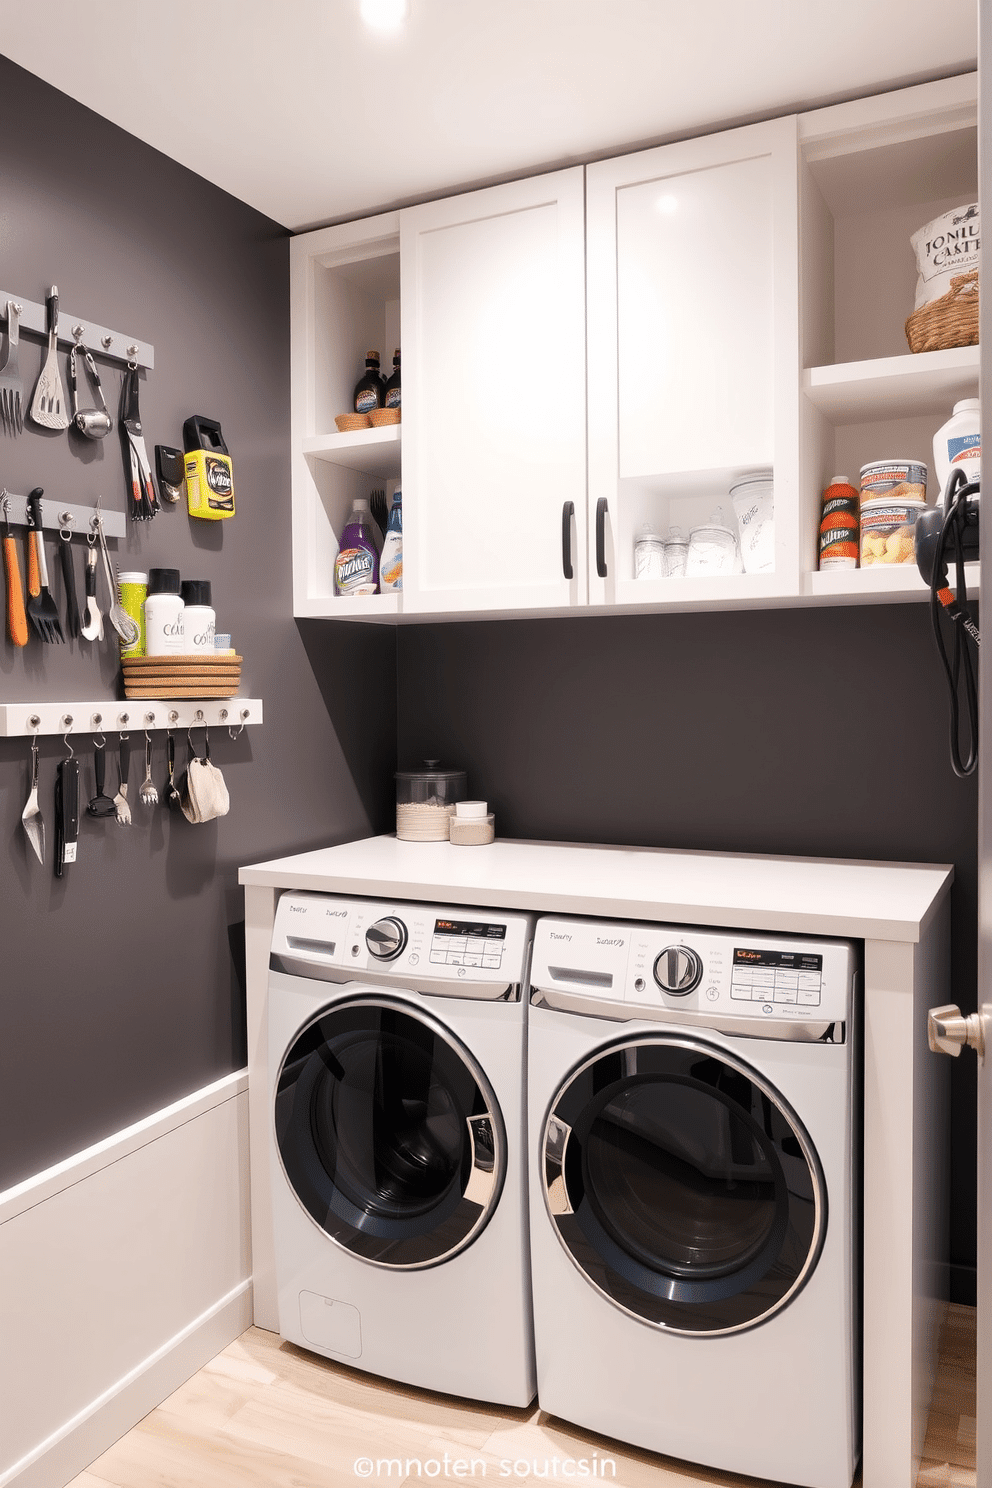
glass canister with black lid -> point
(425, 799)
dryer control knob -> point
(677, 970)
(386, 938)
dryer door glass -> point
(683, 1186)
(389, 1133)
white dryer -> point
(396, 1090)
(693, 1117)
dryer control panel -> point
(615, 968)
(400, 941)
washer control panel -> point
(616, 966)
(422, 941)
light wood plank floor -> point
(264, 1414)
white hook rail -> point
(53, 510)
(96, 338)
(18, 720)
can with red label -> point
(839, 525)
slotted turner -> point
(48, 404)
(43, 612)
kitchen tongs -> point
(142, 501)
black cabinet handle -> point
(601, 509)
(567, 513)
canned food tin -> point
(887, 531)
(896, 480)
(839, 525)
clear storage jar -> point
(426, 799)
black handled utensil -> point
(101, 804)
(69, 582)
(66, 814)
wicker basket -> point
(379, 417)
(348, 423)
(950, 321)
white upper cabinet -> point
(693, 351)
(492, 294)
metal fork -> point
(11, 388)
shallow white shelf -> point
(716, 590)
(114, 715)
(375, 451)
(880, 582)
(348, 607)
(893, 387)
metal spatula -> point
(48, 404)
(31, 817)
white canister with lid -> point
(712, 548)
(164, 633)
(199, 619)
(957, 445)
(649, 554)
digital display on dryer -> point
(792, 960)
(777, 977)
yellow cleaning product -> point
(209, 472)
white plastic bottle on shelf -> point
(957, 445)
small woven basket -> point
(349, 423)
(950, 321)
(379, 417)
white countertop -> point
(825, 896)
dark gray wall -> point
(119, 990)
(817, 732)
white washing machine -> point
(693, 1100)
(399, 1188)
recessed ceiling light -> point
(385, 15)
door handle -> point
(601, 510)
(567, 513)
(949, 1031)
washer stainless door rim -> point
(683, 1186)
(389, 1133)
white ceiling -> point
(297, 108)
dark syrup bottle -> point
(370, 390)
(392, 398)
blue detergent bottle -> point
(391, 562)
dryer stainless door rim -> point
(389, 1133)
(682, 1185)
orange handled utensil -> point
(17, 619)
(34, 572)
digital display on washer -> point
(777, 977)
(787, 960)
(469, 927)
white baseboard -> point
(122, 1272)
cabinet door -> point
(693, 348)
(493, 317)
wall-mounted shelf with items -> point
(345, 298)
(872, 173)
(18, 720)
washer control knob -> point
(677, 970)
(386, 938)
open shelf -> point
(895, 386)
(880, 582)
(377, 452)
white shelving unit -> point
(345, 298)
(811, 395)
(115, 716)
(871, 173)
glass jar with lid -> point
(425, 799)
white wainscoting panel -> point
(122, 1271)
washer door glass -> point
(389, 1133)
(683, 1186)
